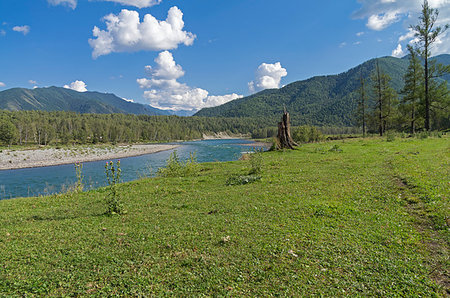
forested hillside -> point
(322, 100)
(62, 99)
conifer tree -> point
(427, 34)
(413, 89)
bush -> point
(177, 168)
(256, 162)
(306, 134)
(241, 180)
(113, 178)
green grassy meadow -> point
(360, 217)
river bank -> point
(20, 159)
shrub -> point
(79, 186)
(390, 136)
(113, 178)
(177, 168)
(256, 162)
(241, 180)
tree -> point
(385, 98)
(8, 131)
(412, 91)
(427, 34)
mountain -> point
(321, 100)
(62, 99)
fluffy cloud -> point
(165, 92)
(23, 29)
(2, 84)
(32, 82)
(268, 76)
(380, 14)
(382, 21)
(126, 33)
(398, 52)
(70, 3)
(79, 86)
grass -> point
(369, 219)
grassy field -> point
(343, 218)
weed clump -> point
(177, 168)
(113, 173)
(242, 180)
(79, 186)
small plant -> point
(256, 162)
(177, 168)
(242, 180)
(113, 178)
(79, 173)
(390, 136)
(335, 148)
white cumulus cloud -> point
(165, 92)
(382, 21)
(23, 29)
(79, 86)
(268, 76)
(70, 3)
(381, 14)
(398, 52)
(32, 82)
(2, 84)
(126, 33)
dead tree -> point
(284, 133)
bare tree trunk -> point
(284, 133)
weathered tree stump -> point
(284, 133)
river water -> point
(54, 179)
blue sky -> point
(226, 49)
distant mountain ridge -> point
(320, 100)
(62, 99)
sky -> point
(191, 54)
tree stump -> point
(284, 133)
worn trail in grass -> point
(355, 220)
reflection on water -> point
(48, 180)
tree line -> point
(424, 102)
(43, 128)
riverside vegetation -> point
(341, 218)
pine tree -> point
(385, 99)
(413, 89)
(427, 34)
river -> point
(55, 179)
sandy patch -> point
(20, 159)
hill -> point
(321, 100)
(62, 99)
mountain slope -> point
(322, 100)
(62, 99)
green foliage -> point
(390, 136)
(113, 173)
(306, 134)
(176, 168)
(79, 186)
(256, 162)
(7, 131)
(36, 127)
(242, 179)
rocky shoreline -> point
(20, 159)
